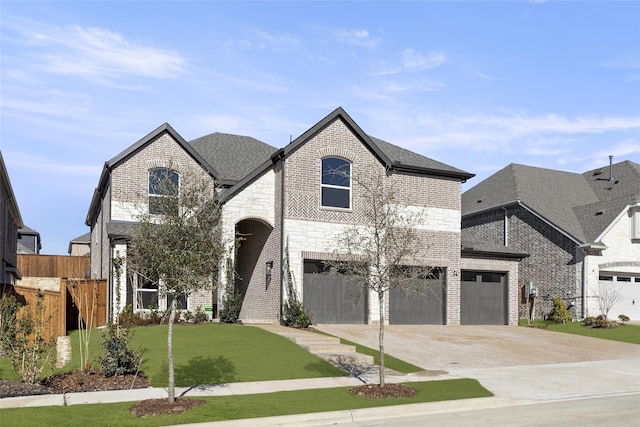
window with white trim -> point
(635, 223)
(164, 184)
(147, 294)
(336, 183)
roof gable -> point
(391, 156)
(165, 128)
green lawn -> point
(624, 333)
(239, 406)
(212, 353)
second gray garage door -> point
(483, 298)
(422, 305)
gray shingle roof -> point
(232, 156)
(121, 229)
(582, 205)
(85, 238)
(473, 245)
(401, 156)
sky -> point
(476, 85)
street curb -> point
(369, 414)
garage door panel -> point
(483, 301)
(418, 305)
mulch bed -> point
(387, 391)
(151, 407)
(74, 382)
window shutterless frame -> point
(163, 182)
(335, 183)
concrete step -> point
(318, 348)
(311, 339)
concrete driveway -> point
(468, 347)
(522, 364)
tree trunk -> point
(172, 381)
(381, 336)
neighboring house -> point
(10, 222)
(582, 232)
(28, 241)
(274, 197)
(80, 246)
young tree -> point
(608, 296)
(382, 253)
(178, 244)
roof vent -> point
(598, 172)
(479, 201)
(599, 213)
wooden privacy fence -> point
(30, 265)
(86, 302)
(78, 302)
(53, 309)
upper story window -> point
(163, 190)
(635, 224)
(336, 183)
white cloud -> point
(96, 54)
(356, 37)
(264, 40)
(415, 61)
(511, 134)
(45, 166)
(411, 61)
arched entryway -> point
(256, 267)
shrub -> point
(119, 358)
(198, 316)
(599, 322)
(9, 307)
(623, 318)
(231, 306)
(560, 313)
(295, 313)
(23, 342)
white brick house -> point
(272, 196)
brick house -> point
(10, 222)
(273, 196)
(582, 232)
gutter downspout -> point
(506, 227)
(282, 237)
(583, 309)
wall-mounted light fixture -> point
(268, 269)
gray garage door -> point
(483, 298)
(332, 297)
(419, 304)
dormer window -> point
(336, 183)
(163, 190)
